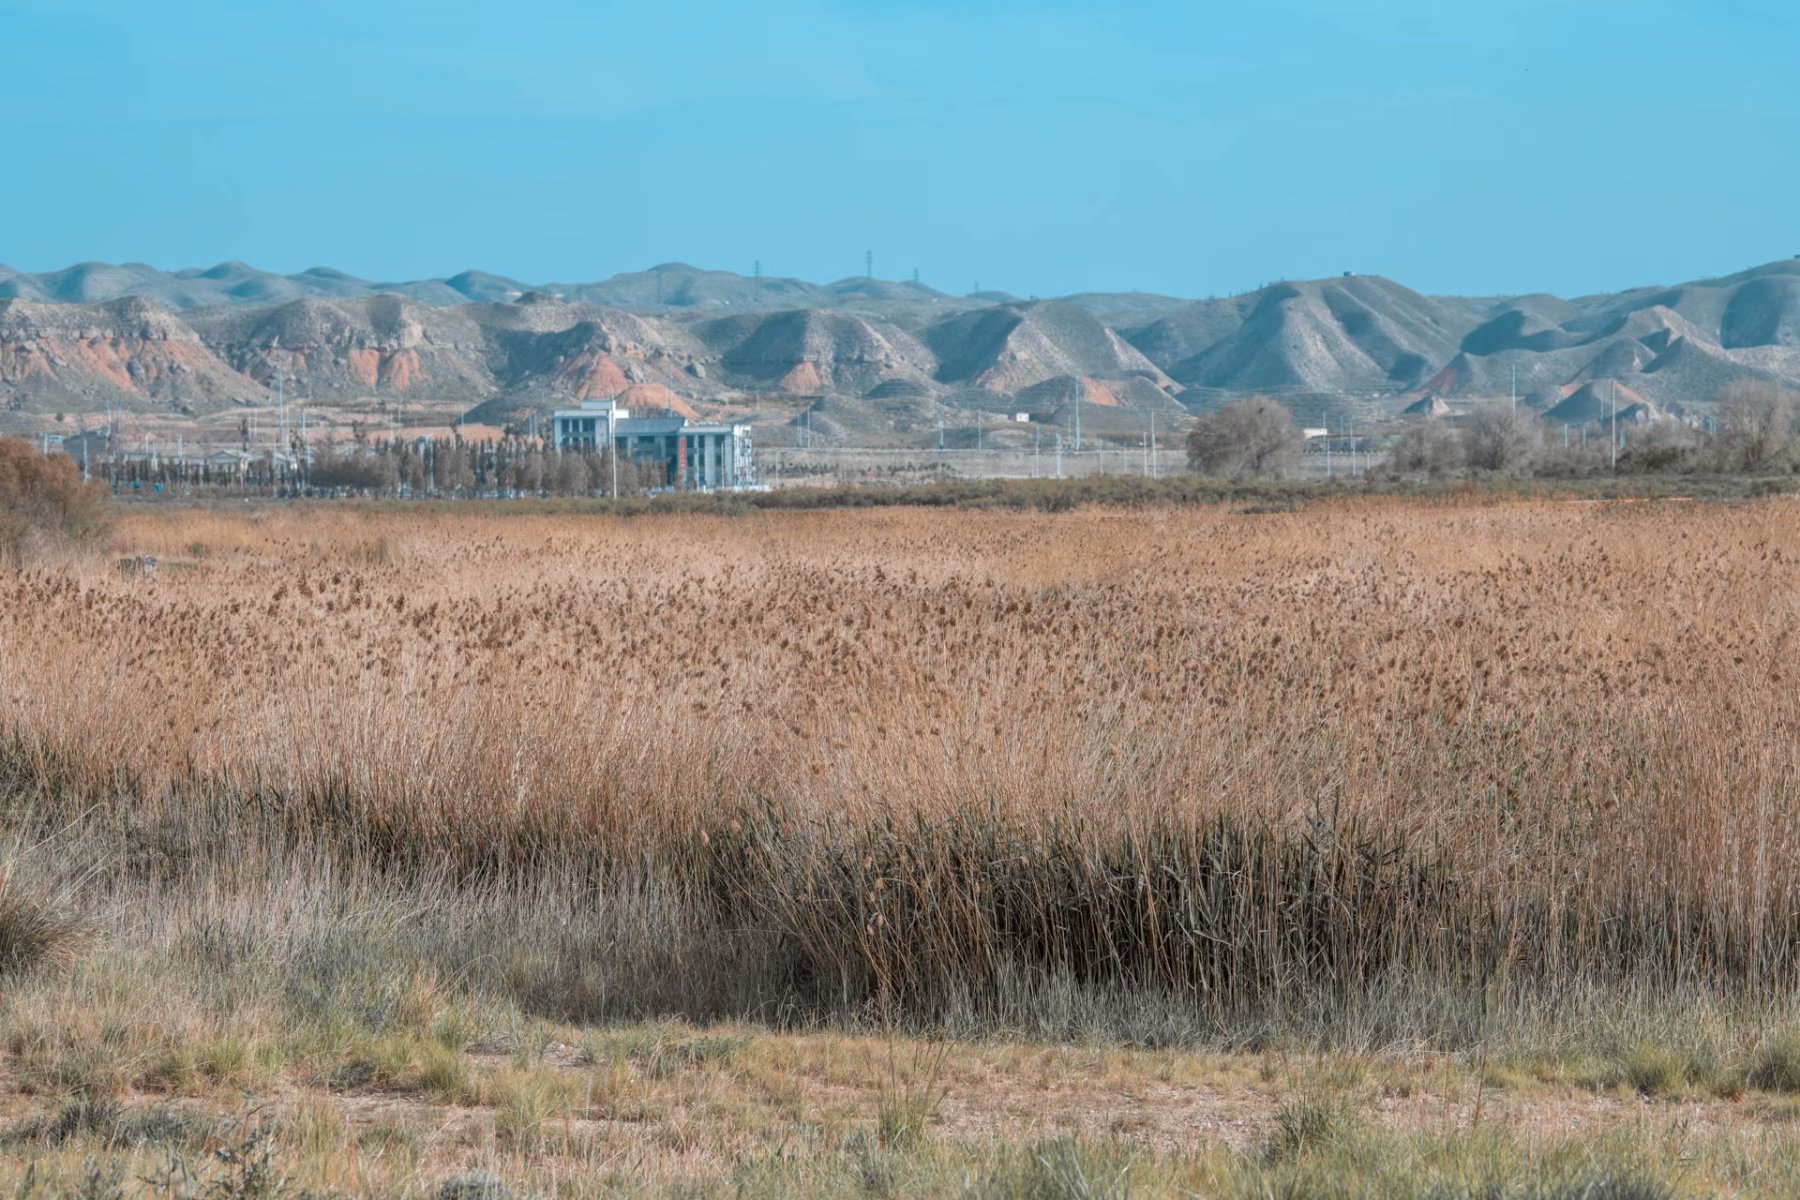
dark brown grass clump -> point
(1223, 912)
(38, 930)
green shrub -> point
(1654, 1070)
(1308, 1124)
(1658, 1069)
(1778, 1067)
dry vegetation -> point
(343, 796)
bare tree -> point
(1755, 425)
(1660, 445)
(1428, 448)
(1496, 438)
(1256, 436)
(455, 469)
(568, 474)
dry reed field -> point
(1492, 794)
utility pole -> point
(1328, 447)
(612, 440)
(1059, 456)
(1077, 412)
(280, 404)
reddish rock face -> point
(126, 348)
(1095, 392)
(387, 370)
(802, 378)
(592, 377)
(653, 398)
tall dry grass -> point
(940, 761)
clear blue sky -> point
(1041, 146)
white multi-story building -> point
(693, 456)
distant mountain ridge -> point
(867, 355)
(666, 286)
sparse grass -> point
(910, 1096)
(1309, 1124)
(105, 1122)
(1060, 1169)
(445, 1075)
(661, 1057)
(530, 1104)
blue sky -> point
(1044, 148)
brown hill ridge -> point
(81, 358)
(888, 356)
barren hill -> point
(873, 357)
(1675, 347)
(549, 354)
(1353, 332)
(383, 344)
(1010, 347)
(812, 351)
